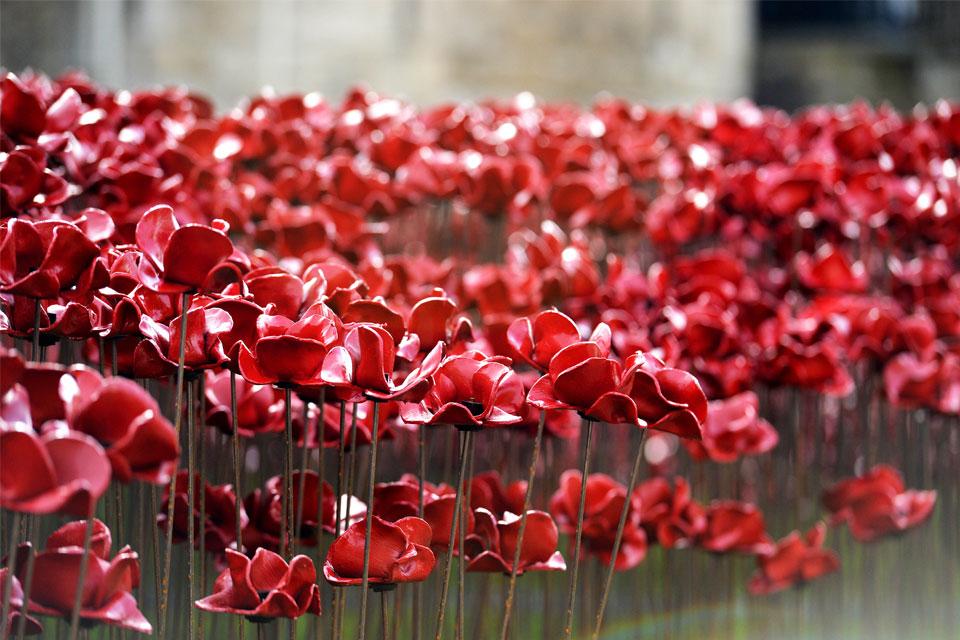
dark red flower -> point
(916, 381)
(493, 543)
(605, 499)
(735, 526)
(108, 584)
(669, 515)
(399, 552)
(537, 339)
(733, 428)
(795, 560)
(364, 366)
(877, 504)
(32, 627)
(254, 405)
(667, 399)
(126, 420)
(41, 259)
(58, 472)
(830, 269)
(220, 512)
(158, 354)
(178, 258)
(471, 389)
(288, 352)
(488, 492)
(264, 587)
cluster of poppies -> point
(337, 276)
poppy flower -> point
(364, 366)
(126, 420)
(493, 543)
(733, 428)
(877, 504)
(41, 259)
(254, 405)
(395, 500)
(487, 491)
(288, 352)
(32, 627)
(913, 381)
(795, 560)
(158, 354)
(178, 258)
(536, 340)
(399, 552)
(582, 378)
(669, 515)
(604, 503)
(220, 512)
(245, 315)
(62, 472)
(830, 269)
(666, 399)
(264, 587)
(108, 583)
(434, 319)
(735, 526)
(469, 390)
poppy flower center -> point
(475, 408)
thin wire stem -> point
(465, 438)
(572, 596)
(366, 543)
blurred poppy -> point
(399, 552)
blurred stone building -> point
(662, 52)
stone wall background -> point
(664, 52)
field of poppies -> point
(510, 369)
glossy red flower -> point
(830, 269)
(218, 519)
(126, 420)
(735, 527)
(158, 354)
(605, 499)
(41, 259)
(877, 504)
(733, 428)
(669, 515)
(108, 583)
(796, 559)
(470, 390)
(288, 352)
(493, 543)
(58, 472)
(264, 587)
(537, 339)
(399, 552)
(32, 627)
(178, 258)
(254, 405)
(364, 366)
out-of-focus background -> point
(667, 52)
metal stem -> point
(366, 543)
(572, 596)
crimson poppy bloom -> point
(733, 428)
(364, 366)
(219, 516)
(735, 526)
(178, 258)
(488, 492)
(399, 552)
(669, 515)
(536, 340)
(264, 587)
(401, 499)
(915, 381)
(493, 543)
(254, 405)
(830, 269)
(158, 354)
(434, 319)
(796, 559)
(62, 472)
(126, 420)
(877, 504)
(41, 259)
(108, 584)
(604, 503)
(469, 390)
(666, 399)
(32, 627)
(288, 352)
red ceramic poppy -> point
(265, 587)
(733, 428)
(254, 405)
(493, 543)
(178, 258)
(830, 269)
(219, 516)
(669, 515)
(434, 319)
(605, 499)
(399, 552)
(666, 399)
(126, 420)
(469, 390)
(536, 340)
(914, 381)
(735, 527)
(364, 366)
(288, 352)
(795, 560)
(58, 472)
(487, 491)
(158, 354)
(107, 597)
(41, 259)
(32, 626)
(876, 504)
